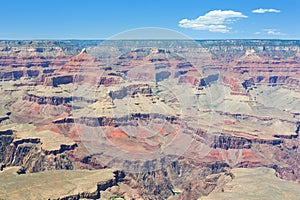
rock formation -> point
(173, 122)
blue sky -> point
(198, 19)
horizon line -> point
(187, 39)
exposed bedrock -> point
(190, 179)
(246, 131)
(29, 154)
(131, 90)
(281, 154)
(118, 121)
(62, 80)
(233, 142)
(52, 100)
(101, 186)
(209, 80)
(271, 80)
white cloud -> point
(269, 10)
(270, 32)
(213, 21)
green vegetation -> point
(116, 197)
(158, 92)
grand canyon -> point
(150, 119)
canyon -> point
(149, 119)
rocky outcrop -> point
(131, 90)
(233, 142)
(127, 120)
(298, 128)
(6, 139)
(91, 195)
(58, 80)
(101, 186)
(51, 100)
(184, 178)
(29, 154)
(3, 118)
(162, 76)
(63, 148)
(208, 80)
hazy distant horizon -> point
(100, 39)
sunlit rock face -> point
(173, 119)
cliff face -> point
(262, 180)
(29, 154)
(213, 107)
(64, 184)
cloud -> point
(269, 10)
(270, 32)
(213, 21)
